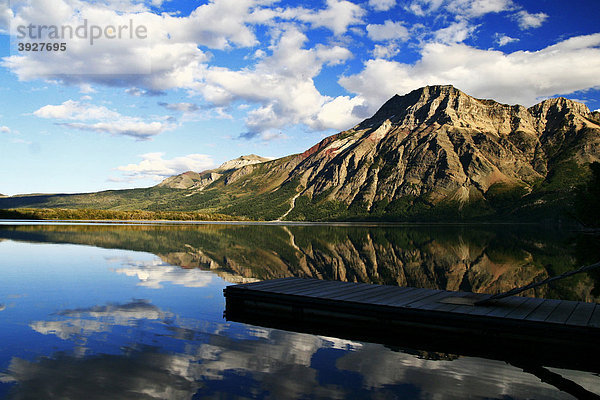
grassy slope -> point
(94, 214)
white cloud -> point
(503, 40)
(75, 110)
(337, 113)
(158, 3)
(218, 24)
(136, 92)
(466, 8)
(478, 8)
(4, 129)
(86, 88)
(107, 121)
(182, 107)
(6, 15)
(382, 5)
(154, 274)
(125, 127)
(520, 77)
(332, 55)
(337, 17)
(457, 32)
(79, 325)
(389, 30)
(281, 84)
(423, 7)
(385, 51)
(154, 167)
(527, 20)
(168, 58)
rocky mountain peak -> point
(415, 107)
(561, 113)
(242, 161)
(559, 105)
(199, 180)
(446, 105)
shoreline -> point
(248, 222)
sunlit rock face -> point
(199, 180)
(440, 142)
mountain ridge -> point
(428, 121)
(199, 180)
(434, 153)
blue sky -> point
(214, 80)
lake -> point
(116, 311)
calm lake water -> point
(104, 311)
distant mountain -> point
(198, 181)
(435, 153)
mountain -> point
(435, 153)
(242, 161)
(437, 146)
(198, 181)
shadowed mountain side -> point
(435, 153)
(488, 260)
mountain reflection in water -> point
(483, 259)
(136, 312)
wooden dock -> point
(515, 329)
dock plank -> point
(447, 307)
(334, 292)
(266, 282)
(366, 295)
(315, 290)
(288, 288)
(561, 314)
(594, 321)
(506, 305)
(383, 296)
(393, 296)
(526, 308)
(582, 314)
(427, 300)
(473, 310)
(543, 311)
(419, 294)
(271, 285)
(439, 306)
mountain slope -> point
(439, 146)
(435, 153)
(198, 181)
